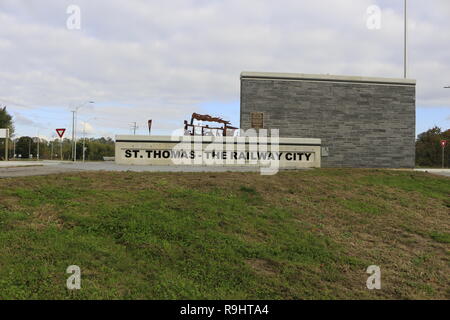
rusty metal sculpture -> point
(190, 128)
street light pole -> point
(38, 144)
(84, 140)
(73, 134)
(75, 140)
(84, 136)
(405, 42)
(444, 144)
(74, 129)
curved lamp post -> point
(74, 128)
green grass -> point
(441, 237)
(296, 235)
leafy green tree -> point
(25, 147)
(96, 149)
(44, 148)
(429, 150)
(6, 120)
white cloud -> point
(86, 128)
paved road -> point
(32, 171)
(51, 167)
(35, 168)
(9, 164)
(441, 172)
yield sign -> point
(60, 132)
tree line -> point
(26, 147)
(33, 147)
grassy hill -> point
(296, 235)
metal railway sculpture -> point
(206, 130)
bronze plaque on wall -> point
(257, 120)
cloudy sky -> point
(163, 60)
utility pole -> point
(6, 144)
(52, 146)
(134, 127)
(405, 42)
(37, 155)
(84, 140)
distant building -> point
(363, 122)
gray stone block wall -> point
(364, 123)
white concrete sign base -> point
(218, 151)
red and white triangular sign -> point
(60, 132)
